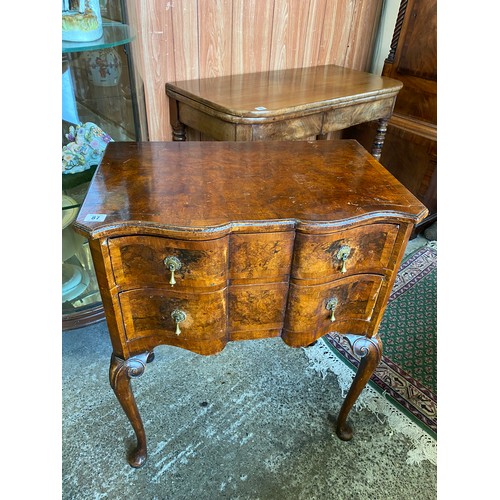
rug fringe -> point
(323, 360)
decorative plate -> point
(75, 281)
(68, 215)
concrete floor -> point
(249, 423)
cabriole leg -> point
(370, 350)
(120, 373)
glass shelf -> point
(113, 99)
(114, 34)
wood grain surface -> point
(214, 188)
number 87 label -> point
(95, 217)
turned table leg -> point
(178, 132)
(370, 350)
(120, 373)
(378, 142)
(178, 128)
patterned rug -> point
(406, 377)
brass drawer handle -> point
(330, 306)
(342, 255)
(173, 264)
(178, 316)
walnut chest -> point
(196, 244)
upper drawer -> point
(261, 256)
(153, 260)
(364, 249)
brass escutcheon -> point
(330, 306)
(173, 264)
(342, 255)
(178, 316)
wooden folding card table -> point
(282, 105)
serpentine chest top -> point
(199, 243)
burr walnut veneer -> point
(196, 244)
(290, 104)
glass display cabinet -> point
(102, 101)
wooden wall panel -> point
(336, 31)
(252, 36)
(153, 53)
(290, 30)
(185, 39)
(312, 38)
(363, 34)
(215, 36)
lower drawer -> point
(345, 306)
(256, 311)
(153, 312)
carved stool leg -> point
(120, 373)
(378, 142)
(370, 350)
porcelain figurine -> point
(85, 149)
(81, 20)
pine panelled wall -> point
(186, 39)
